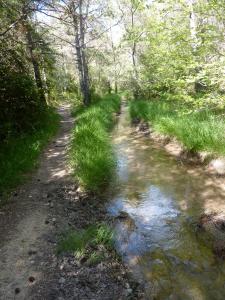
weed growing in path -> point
(90, 243)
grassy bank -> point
(91, 151)
(20, 153)
(201, 130)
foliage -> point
(20, 104)
(19, 154)
(91, 152)
(26, 122)
(24, 54)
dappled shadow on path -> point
(23, 220)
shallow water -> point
(163, 200)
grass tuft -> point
(91, 152)
(78, 241)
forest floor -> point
(31, 224)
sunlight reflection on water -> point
(161, 200)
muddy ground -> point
(31, 225)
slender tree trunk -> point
(34, 61)
(116, 87)
(86, 84)
(134, 54)
(194, 43)
(134, 46)
(78, 23)
(193, 24)
(114, 63)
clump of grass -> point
(91, 152)
(198, 131)
(139, 110)
(84, 243)
(18, 155)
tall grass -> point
(19, 154)
(198, 131)
(91, 152)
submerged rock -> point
(214, 225)
(217, 166)
(143, 127)
(123, 215)
(126, 218)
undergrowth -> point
(91, 153)
(19, 154)
(200, 130)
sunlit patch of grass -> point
(91, 153)
(202, 130)
(20, 153)
(90, 243)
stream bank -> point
(212, 164)
(164, 230)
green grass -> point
(91, 153)
(19, 155)
(93, 235)
(90, 243)
(198, 131)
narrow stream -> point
(159, 201)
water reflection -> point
(163, 199)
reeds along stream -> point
(157, 202)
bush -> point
(20, 106)
(19, 154)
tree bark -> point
(78, 22)
(37, 73)
(134, 48)
(34, 61)
(114, 64)
(134, 45)
(86, 85)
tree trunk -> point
(114, 63)
(116, 87)
(135, 77)
(86, 85)
(193, 24)
(78, 23)
(36, 68)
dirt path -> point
(23, 222)
(30, 225)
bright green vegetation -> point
(91, 152)
(81, 243)
(198, 130)
(19, 154)
(180, 71)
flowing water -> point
(159, 201)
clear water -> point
(163, 200)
